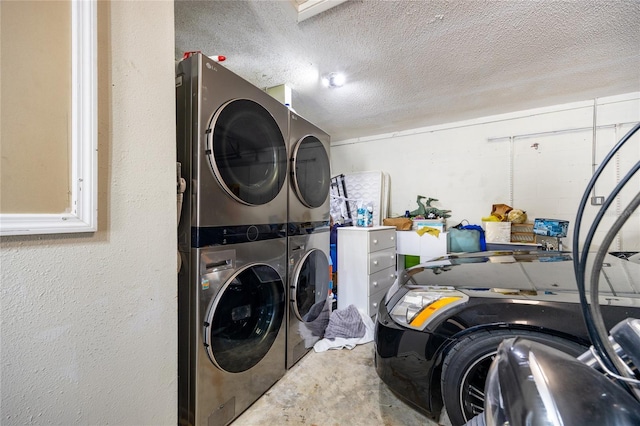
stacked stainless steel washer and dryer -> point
(236, 282)
(232, 290)
(308, 237)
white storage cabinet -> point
(366, 266)
(410, 243)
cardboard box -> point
(522, 233)
(551, 227)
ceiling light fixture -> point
(334, 79)
(308, 8)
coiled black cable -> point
(580, 258)
(595, 280)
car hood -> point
(523, 272)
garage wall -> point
(89, 320)
(537, 160)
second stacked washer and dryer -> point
(307, 237)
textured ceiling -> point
(411, 64)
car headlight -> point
(419, 306)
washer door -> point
(311, 172)
(310, 285)
(243, 320)
(247, 152)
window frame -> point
(82, 214)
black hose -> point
(580, 259)
(595, 280)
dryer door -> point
(311, 172)
(310, 285)
(247, 152)
(243, 320)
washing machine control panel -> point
(222, 235)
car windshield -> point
(535, 271)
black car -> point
(440, 324)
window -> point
(56, 101)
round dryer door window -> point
(247, 152)
(311, 172)
(244, 319)
(311, 281)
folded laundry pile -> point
(347, 328)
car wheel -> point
(467, 363)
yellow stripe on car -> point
(424, 314)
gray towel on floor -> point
(345, 323)
(317, 319)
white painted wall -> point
(469, 166)
(89, 321)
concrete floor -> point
(333, 388)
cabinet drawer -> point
(374, 302)
(382, 239)
(381, 280)
(382, 259)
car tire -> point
(466, 364)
